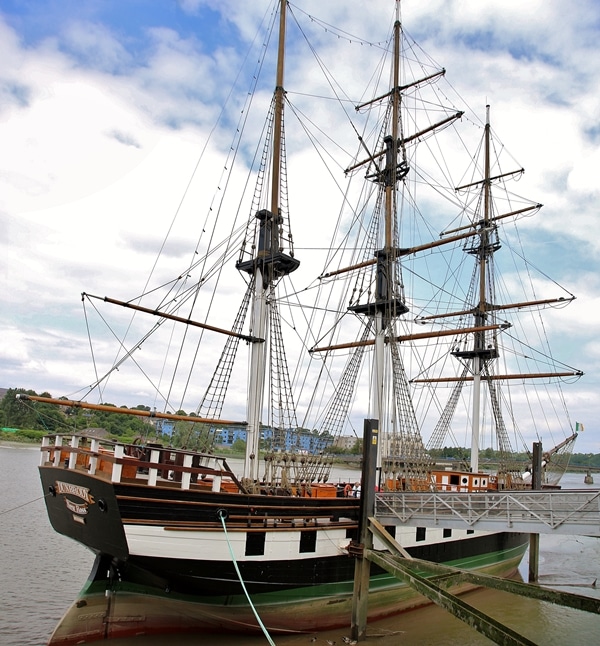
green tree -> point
(192, 435)
(357, 448)
(119, 424)
(17, 413)
(24, 414)
(239, 446)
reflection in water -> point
(42, 573)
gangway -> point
(530, 511)
(540, 512)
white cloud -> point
(98, 145)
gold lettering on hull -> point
(74, 490)
(78, 509)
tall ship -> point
(367, 312)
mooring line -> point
(235, 565)
(6, 511)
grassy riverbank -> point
(21, 436)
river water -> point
(41, 573)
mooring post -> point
(534, 539)
(362, 569)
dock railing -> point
(562, 511)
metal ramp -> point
(532, 512)
(540, 512)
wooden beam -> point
(127, 411)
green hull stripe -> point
(492, 562)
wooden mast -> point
(480, 315)
(385, 306)
(386, 258)
(278, 118)
(268, 264)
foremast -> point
(268, 264)
(403, 460)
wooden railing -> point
(120, 462)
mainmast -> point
(386, 305)
(402, 455)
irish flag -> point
(578, 427)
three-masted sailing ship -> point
(186, 542)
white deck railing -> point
(123, 462)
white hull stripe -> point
(152, 541)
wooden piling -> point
(362, 568)
(534, 539)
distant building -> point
(345, 442)
(98, 433)
(298, 440)
(228, 436)
(164, 426)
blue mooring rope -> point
(222, 516)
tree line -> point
(49, 418)
(39, 416)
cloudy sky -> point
(105, 106)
